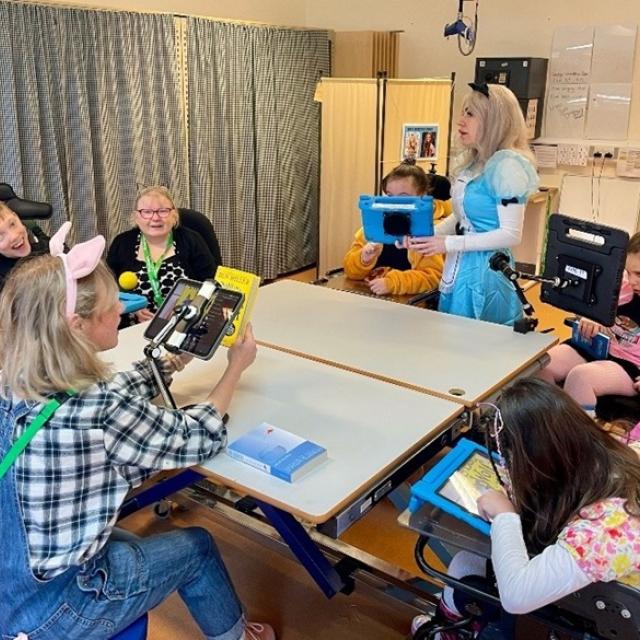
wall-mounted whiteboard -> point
(568, 86)
(589, 83)
(613, 53)
(566, 110)
(571, 55)
(612, 201)
(608, 110)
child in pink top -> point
(585, 379)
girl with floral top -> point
(571, 515)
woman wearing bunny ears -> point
(74, 438)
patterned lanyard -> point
(153, 267)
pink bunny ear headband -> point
(79, 262)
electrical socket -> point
(605, 151)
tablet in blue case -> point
(456, 482)
(386, 219)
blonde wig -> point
(40, 352)
(501, 123)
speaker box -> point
(526, 77)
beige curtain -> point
(348, 162)
(423, 101)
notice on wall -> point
(628, 163)
(546, 156)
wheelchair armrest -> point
(613, 607)
(456, 583)
(429, 298)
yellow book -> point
(246, 283)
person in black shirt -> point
(158, 251)
(17, 241)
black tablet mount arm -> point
(500, 262)
(186, 317)
(583, 270)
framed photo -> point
(419, 142)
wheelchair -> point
(600, 611)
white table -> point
(449, 356)
(368, 427)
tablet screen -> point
(469, 482)
(220, 314)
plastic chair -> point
(198, 222)
(26, 209)
(135, 631)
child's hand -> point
(379, 286)
(588, 329)
(370, 252)
(492, 503)
(428, 245)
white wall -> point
(507, 28)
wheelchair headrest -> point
(25, 209)
(441, 187)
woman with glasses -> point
(158, 251)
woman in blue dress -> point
(494, 176)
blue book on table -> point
(276, 451)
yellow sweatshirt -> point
(425, 272)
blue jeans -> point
(132, 575)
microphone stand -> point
(153, 351)
(529, 322)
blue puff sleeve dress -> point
(468, 286)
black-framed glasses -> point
(147, 214)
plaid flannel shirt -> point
(75, 474)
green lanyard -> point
(38, 422)
(154, 267)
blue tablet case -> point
(598, 346)
(386, 219)
(478, 471)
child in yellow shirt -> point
(385, 268)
